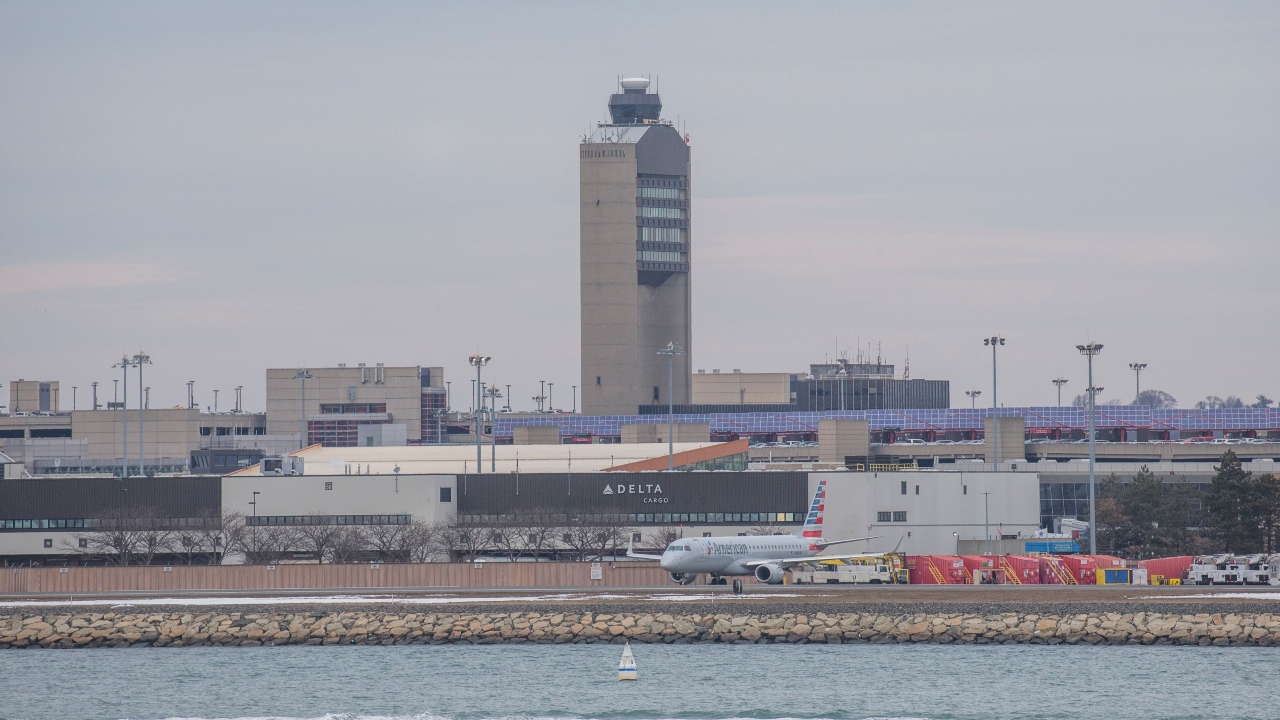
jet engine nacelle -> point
(682, 578)
(770, 574)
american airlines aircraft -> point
(765, 556)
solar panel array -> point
(1130, 417)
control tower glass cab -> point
(635, 256)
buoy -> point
(627, 665)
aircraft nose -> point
(666, 562)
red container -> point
(1109, 562)
(982, 569)
(936, 570)
(1081, 567)
(1170, 567)
(1025, 569)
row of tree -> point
(140, 537)
(1145, 517)
(1159, 400)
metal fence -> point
(90, 581)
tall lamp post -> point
(141, 359)
(671, 351)
(1060, 382)
(973, 398)
(304, 375)
(254, 503)
(1089, 351)
(994, 341)
(478, 361)
(1137, 380)
(124, 412)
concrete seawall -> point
(373, 627)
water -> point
(683, 682)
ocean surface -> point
(681, 682)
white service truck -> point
(822, 574)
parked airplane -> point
(765, 556)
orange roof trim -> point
(688, 457)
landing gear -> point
(717, 580)
(737, 586)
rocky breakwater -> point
(382, 628)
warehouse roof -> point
(458, 459)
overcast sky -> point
(236, 186)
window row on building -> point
(112, 523)
(292, 520)
(892, 516)
(664, 234)
(633, 518)
(661, 212)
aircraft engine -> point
(771, 574)
(682, 578)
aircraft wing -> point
(633, 554)
(785, 562)
(829, 543)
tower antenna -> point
(906, 365)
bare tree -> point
(222, 537)
(319, 539)
(508, 539)
(765, 527)
(539, 533)
(393, 543)
(349, 543)
(594, 536)
(124, 536)
(421, 543)
(663, 536)
(463, 542)
(268, 545)
(189, 545)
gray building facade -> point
(635, 257)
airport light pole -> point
(73, 398)
(304, 375)
(478, 361)
(254, 503)
(994, 341)
(139, 360)
(986, 519)
(973, 398)
(1060, 382)
(574, 411)
(1089, 351)
(671, 351)
(551, 406)
(1137, 380)
(124, 412)
(95, 395)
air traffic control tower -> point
(635, 256)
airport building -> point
(636, 265)
(363, 405)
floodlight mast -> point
(671, 351)
(1137, 380)
(994, 341)
(1089, 351)
(1059, 382)
(478, 361)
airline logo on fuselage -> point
(729, 548)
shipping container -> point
(1081, 568)
(1113, 576)
(1170, 568)
(983, 569)
(1019, 570)
(936, 570)
(1109, 561)
(1053, 571)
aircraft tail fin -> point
(813, 522)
